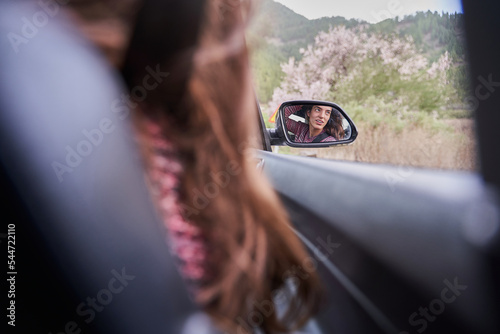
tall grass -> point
(453, 147)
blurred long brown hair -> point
(207, 109)
(334, 126)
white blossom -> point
(335, 59)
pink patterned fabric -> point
(188, 244)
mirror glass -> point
(315, 123)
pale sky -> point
(372, 11)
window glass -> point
(398, 68)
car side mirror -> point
(311, 123)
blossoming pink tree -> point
(342, 61)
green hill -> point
(277, 33)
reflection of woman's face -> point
(318, 117)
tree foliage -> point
(346, 65)
(278, 34)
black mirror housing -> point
(312, 123)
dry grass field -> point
(452, 148)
